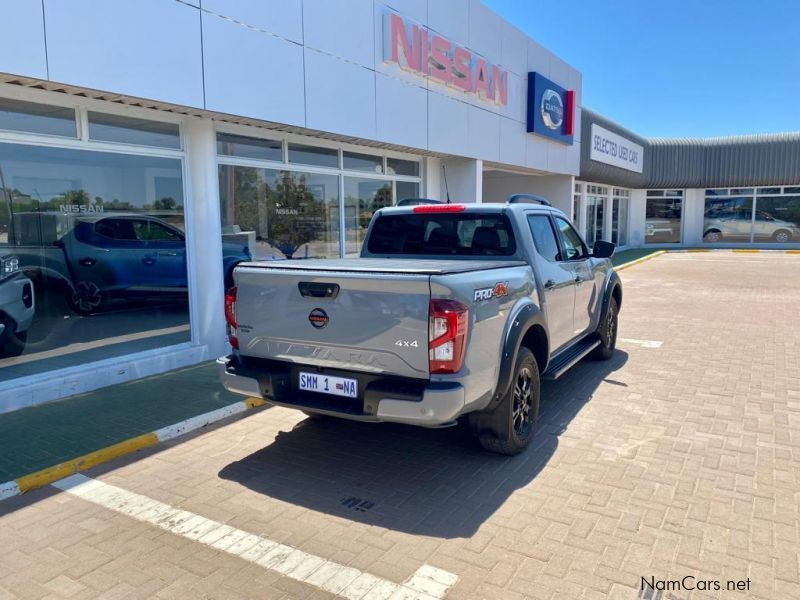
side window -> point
(571, 242)
(544, 238)
(116, 229)
(155, 232)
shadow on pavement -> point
(429, 482)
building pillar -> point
(463, 177)
(204, 237)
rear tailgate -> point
(372, 322)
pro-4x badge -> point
(499, 290)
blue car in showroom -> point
(107, 260)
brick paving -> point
(42, 436)
(663, 462)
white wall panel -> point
(538, 59)
(345, 29)
(513, 48)
(147, 48)
(340, 96)
(237, 81)
(559, 71)
(281, 17)
(483, 134)
(401, 111)
(513, 142)
(485, 31)
(536, 152)
(450, 18)
(414, 9)
(22, 42)
(448, 121)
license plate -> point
(325, 384)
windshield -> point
(462, 234)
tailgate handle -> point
(310, 289)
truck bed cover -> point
(409, 266)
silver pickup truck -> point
(452, 310)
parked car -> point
(451, 311)
(735, 225)
(16, 307)
(107, 258)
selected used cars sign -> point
(613, 149)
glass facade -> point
(768, 215)
(663, 216)
(282, 211)
(619, 216)
(100, 237)
(596, 196)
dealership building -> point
(147, 147)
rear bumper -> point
(426, 404)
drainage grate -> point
(357, 504)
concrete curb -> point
(697, 250)
(640, 260)
(48, 475)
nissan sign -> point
(551, 109)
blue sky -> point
(676, 67)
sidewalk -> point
(39, 437)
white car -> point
(735, 226)
(16, 307)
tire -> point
(782, 236)
(713, 236)
(11, 343)
(607, 331)
(510, 427)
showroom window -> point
(663, 216)
(315, 204)
(596, 196)
(752, 215)
(98, 237)
(576, 203)
(619, 216)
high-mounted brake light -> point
(447, 335)
(230, 317)
(439, 208)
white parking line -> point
(428, 583)
(642, 343)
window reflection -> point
(663, 214)
(279, 214)
(777, 220)
(100, 238)
(362, 197)
(727, 219)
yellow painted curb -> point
(698, 250)
(254, 402)
(624, 266)
(51, 474)
(747, 250)
(48, 475)
(792, 251)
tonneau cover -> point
(409, 266)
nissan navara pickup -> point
(451, 311)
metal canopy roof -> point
(735, 161)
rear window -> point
(460, 234)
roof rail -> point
(528, 199)
(418, 201)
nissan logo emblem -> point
(552, 109)
(318, 318)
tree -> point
(295, 216)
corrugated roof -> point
(741, 160)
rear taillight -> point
(447, 335)
(439, 208)
(230, 317)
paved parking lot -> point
(679, 457)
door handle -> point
(148, 260)
(168, 254)
(86, 261)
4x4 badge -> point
(318, 318)
(499, 290)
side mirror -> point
(603, 249)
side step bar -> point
(572, 355)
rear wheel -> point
(782, 236)
(510, 427)
(12, 343)
(713, 236)
(607, 331)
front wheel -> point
(782, 236)
(510, 427)
(12, 343)
(607, 331)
